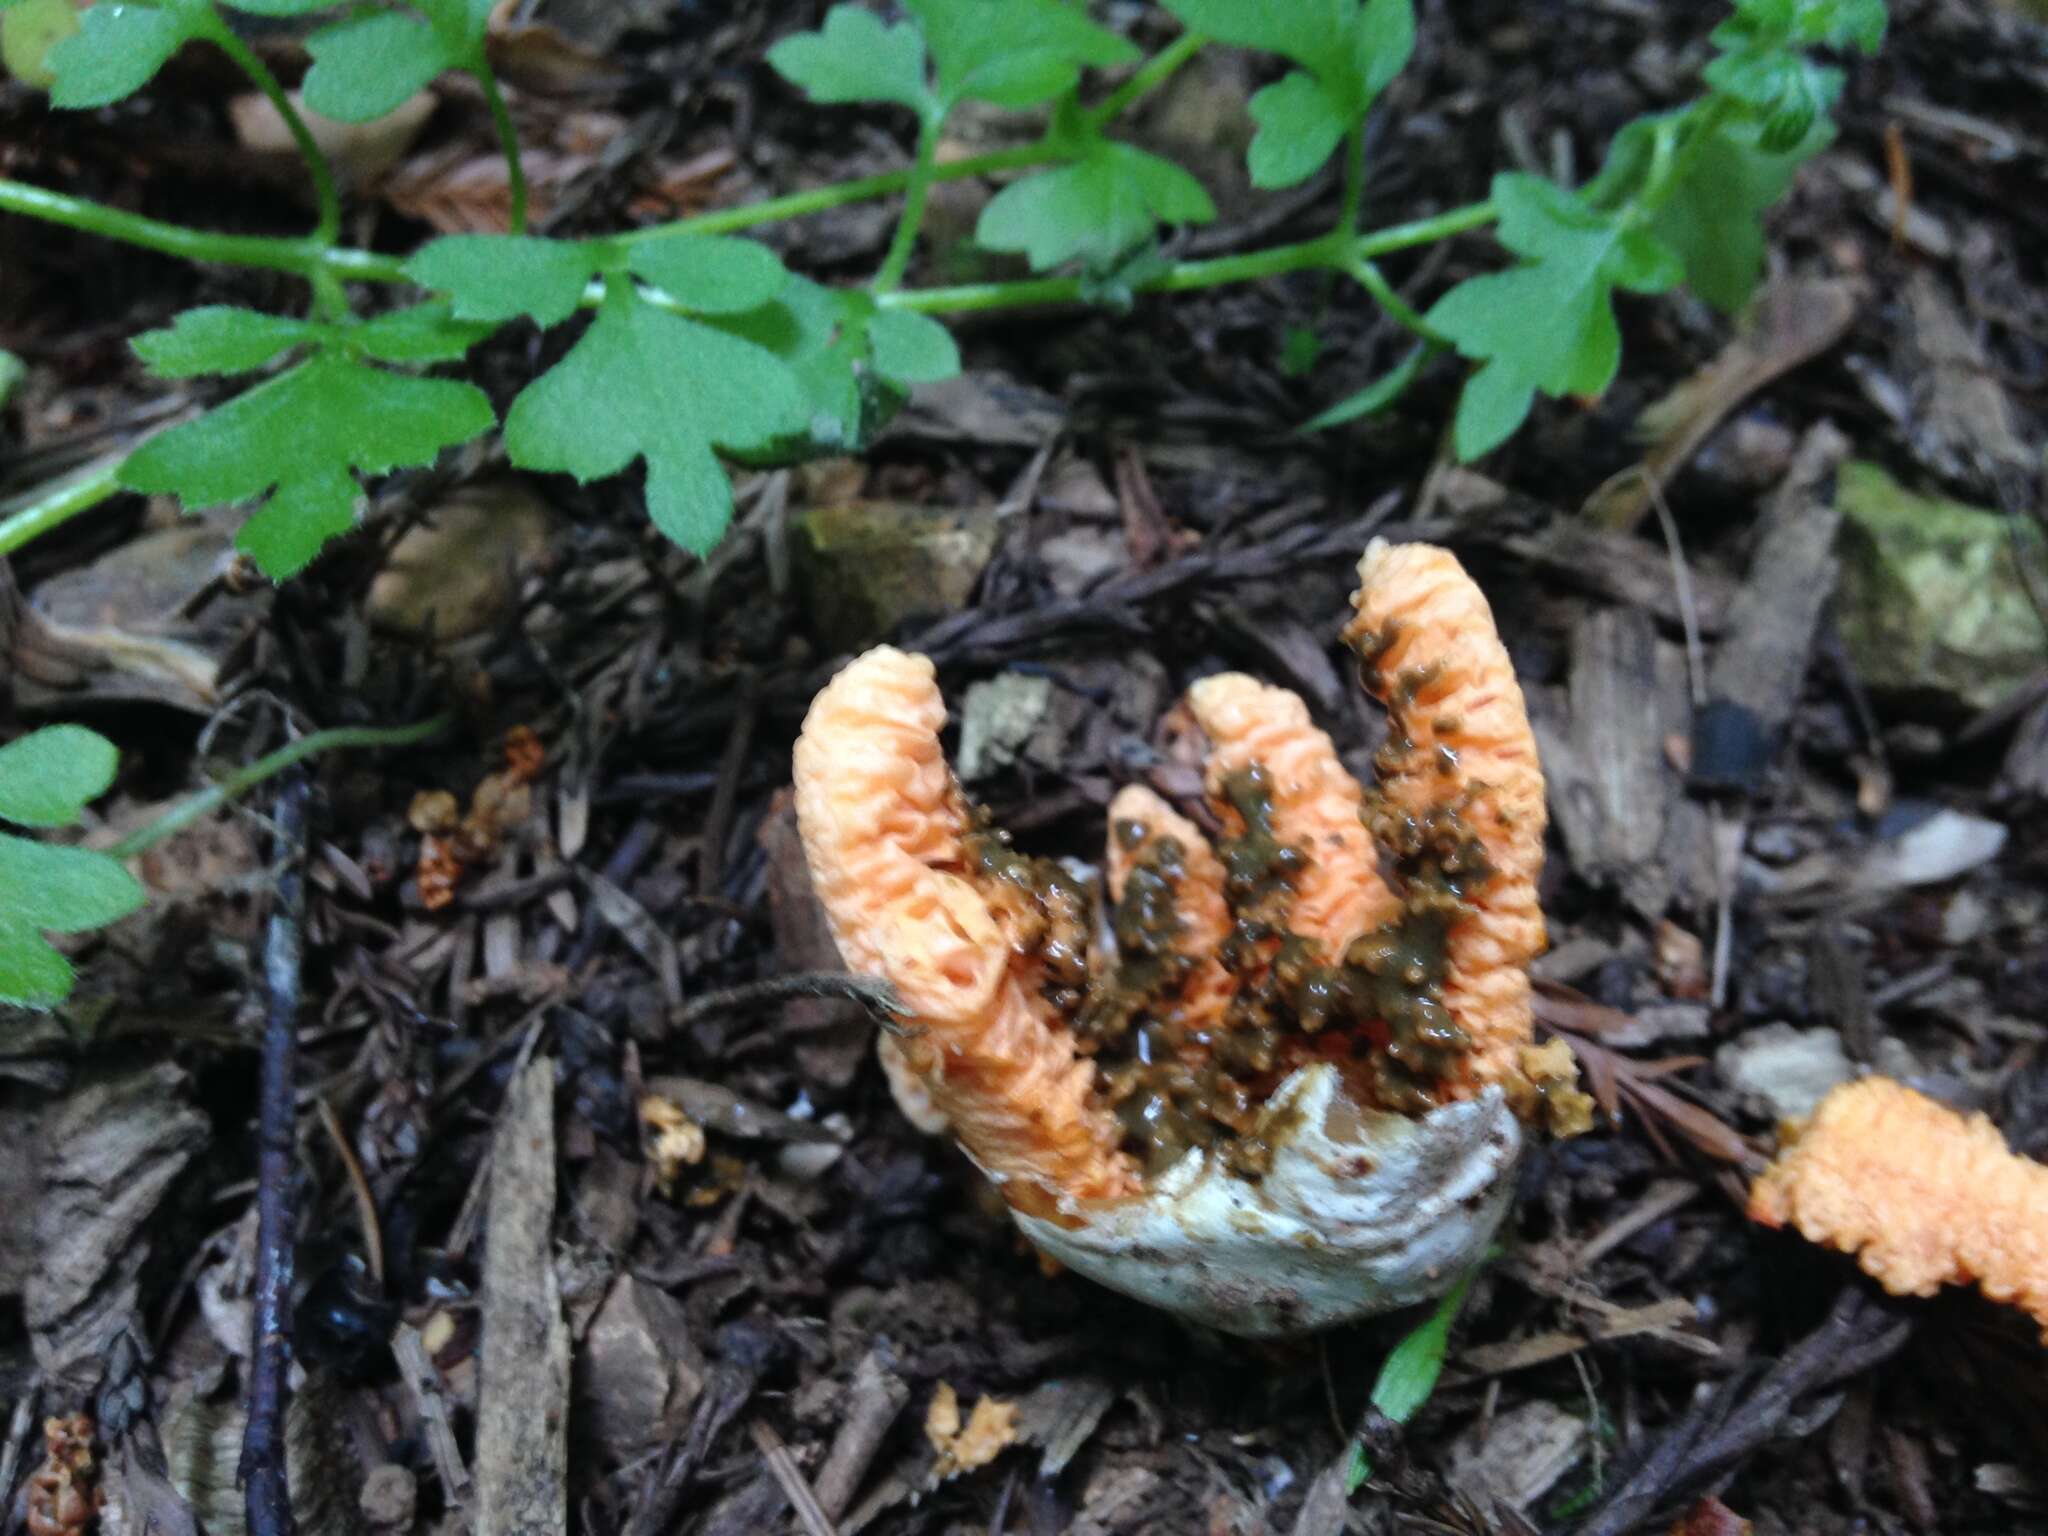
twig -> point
(790, 1478)
(872, 993)
(1862, 1330)
(366, 1203)
(263, 1452)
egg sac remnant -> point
(1289, 1087)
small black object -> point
(1731, 747)
(342, 1323)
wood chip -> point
(522, 1433)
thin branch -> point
(328, 226)
(508, 140)
(872, 993)
(270, 1346)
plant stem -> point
(279, 254)
(1354, 181)
(242, 780)
(897, 261)
(59, 503)
(328, 227)
(1697, 132)
(508, 140)
(1373, 281)
(1149, 76)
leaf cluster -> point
(46, 778)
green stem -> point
(1354, 181)
(508, 140)
(911, 220)
(59, 503)
(1154, 73)
(1374, 282)
(242, 780)
(1696, 133)
(328, 227)
(301, 256)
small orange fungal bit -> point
(1460, 742)
(1921, 1195)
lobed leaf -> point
(1013, 53)
(45, 889)
(47, 776)
(1547, 324)
(219, 338)
(371, 63)
(855, 56)
(118, 48)
(710, 274)
(419, 333)
(501, 277)
(646, 384)
(301, 435)
(912, 348)
(1094, 209)
(1299, 124)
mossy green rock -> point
(1931, 604)
(864, 567)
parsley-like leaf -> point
(646, 384)
(710, 274)
(369, 64)
(1547, 324)
(856, 56)
(47, 776)
(1096, 208)
(219, 338)
(501, 277)
(300, 435)
(1713, 217)
(119, 47)
(419, 333)
(1013, 53)
(1348, 52)
(913, 348)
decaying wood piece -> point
(522, 1432)
(1759, 666)
(111, 1152)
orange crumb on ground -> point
(990, 1430)
(1923, 1196)
(884, 826)
(1204, 916)
(1460, 739)
(1316, 804)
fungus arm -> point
(1139, 822)
(1922, 1196)
(884, 827)
(1460, 742)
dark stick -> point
(270, 1348)
(872, 993)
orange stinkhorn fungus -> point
(1279, 956)
(1921, 1195)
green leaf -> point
(119, 47)
(912, 348)
(501, 277)
(45, 889)
(29, 29)
(47, 776)
(1300, 123)
(1349, 52)
(1096, 209)
(646, 384)
(419, 333)
(708, 274)
(856, 57)
(12, 371)
(1713, 218)
(281, 7)
(370, 63)
(1376, 396)
(301, 434)
(1549, 323)
(1014, 53)
(219, 338)
(1411, 1371)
